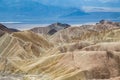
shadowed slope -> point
(4, 29)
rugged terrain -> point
(88, 52)
(51, 29)
(4, 29)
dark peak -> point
(106, 22)
(51, 29)
(5, 29)
(58, 24)
(2, 27)
(51, 32)
(56, 27)
(14, 30)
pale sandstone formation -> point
(105, 46)
(70, 54)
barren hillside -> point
(74, 53)
(4, 29)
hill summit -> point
(50, 29)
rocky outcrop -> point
(102, 30)
(1, 32)
(103, 25)
(4, 29)
(51, 29)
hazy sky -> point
(34, 10)
(87, 5)
(78, 3)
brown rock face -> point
(102, 26)
(1, 32)
(4, 29)
(51, 29)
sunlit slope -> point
(70, 54)
(23, 42)
(78, 65)
(102, 31)
(76, 34)
(18, 48)
(36, 39)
